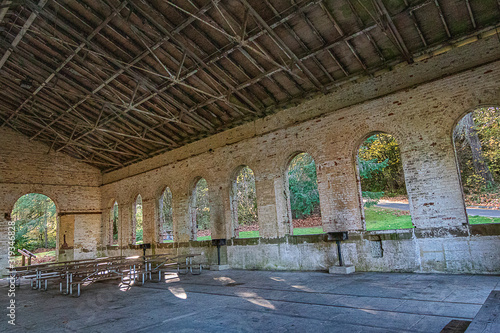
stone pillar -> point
(283, 210)
(86, 235)
(339, 197)
(148, 220)
(217, 194)
(4, 242)
(266, 185)
(181, 217)
(433, 183)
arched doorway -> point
(303, 196)
(199, 211)
(476, 139)
(244, 203)
(35, 217)
(382, 184)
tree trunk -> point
(480, 165)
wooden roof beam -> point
(69, 58)
(283, 45)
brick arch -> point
(232, 183)
(192, 216)
(50, 196)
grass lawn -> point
(376, 219)
(483, 219)
(249, 234)
(386, 219)
(308, 231)
(203, 238)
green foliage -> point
(246, 197)
(201, 205)
(138, 220)
(487, 127)
(166, 217)
(380, 167)
(371, 198)
(35, 216)
(303, 184)
(114, 217)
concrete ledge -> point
(348, 269)
(219, 267)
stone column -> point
(181, 217)
(4, 242)
(266, 186)
(148, 220)
(340, 197)
(433, 183)
(217, 194)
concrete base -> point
(348, 269)
(219, 267)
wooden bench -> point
(78, 273)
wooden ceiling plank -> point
(68, 58)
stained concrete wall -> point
(419, 104)
(29, 167)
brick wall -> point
(419, 104)
(28, 167)
(420, 115)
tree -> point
(35, 216)
(166, 216)
(202, 206)
(380, 166)
(466, 132)
(246, 197)
(303, 184)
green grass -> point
(249, 234)
(483, 219)
(386, 219)
(376, 219)
(308, 231)
(204, 238)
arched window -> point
(304, 206)
(383, 188)
(477, 147)
(244, 204)
(137, 218)
(166, 221)
(114, 219)
(35, 221)
(200, 211)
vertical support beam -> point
(266, 184)
(432, 180)
(181, 214)
(148, 220)
(4, 242)
(217, 193)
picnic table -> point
(80, 273)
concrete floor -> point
(257, 301)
